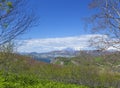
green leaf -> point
(9, 4)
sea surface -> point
(47, 60)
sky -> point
(59, 18)
(61, 26)
(55, 44)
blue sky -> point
(61, 26)
(59, 18)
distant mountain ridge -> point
(68, 52)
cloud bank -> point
(52, 44)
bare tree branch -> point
(107, 22)
(15, 18)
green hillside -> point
(23, 72)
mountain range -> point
(68, 52)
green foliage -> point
(98, 59)
(9, 4)
(23, 72)
(6, 5)
(25, 81)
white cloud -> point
(51, 44)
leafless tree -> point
(105, 21)
(15, 17)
